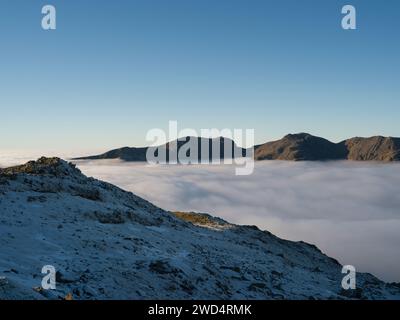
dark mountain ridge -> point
(293, 147)
(226, 148)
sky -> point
(112, 70)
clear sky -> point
(115, 69)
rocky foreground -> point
(106, 243)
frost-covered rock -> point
(106, 243)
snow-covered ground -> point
(351, 210)
(106, 243)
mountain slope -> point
(374, 148)
(302, 146)
(107, 243)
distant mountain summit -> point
(375, 148)
(293, 147)
(302, 146)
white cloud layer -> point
(350, 210)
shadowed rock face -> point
(375, 148)
(302, 146)
(125, 154)
(139, 154)
(107, 243)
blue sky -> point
(115, 69)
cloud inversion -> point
(350, 210)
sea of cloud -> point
(350, 210)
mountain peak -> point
(298, 136)
(300, 146)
